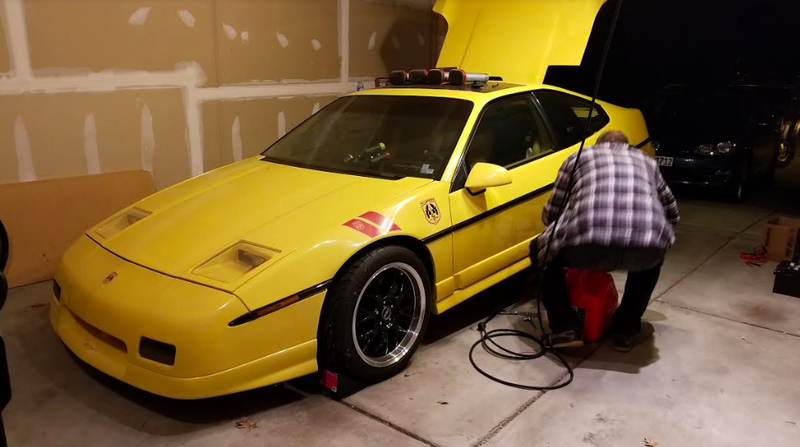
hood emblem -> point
(110, 277)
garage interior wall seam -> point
(188, 77)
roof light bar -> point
(437, 76)
(418, 76)
(457, 77)
(398, 77)
(461, 77)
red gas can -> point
(594, 295)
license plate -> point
(664, 161)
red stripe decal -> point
(363, 227)
(380, 220)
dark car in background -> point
(720, 140)
(783, 99)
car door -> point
(493, 227)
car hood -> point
(252, 201)
(515, 39)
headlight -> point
(235, 262)
(715, 149)
(724, 147)
(121, 222)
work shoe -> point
(571, 338)
(622, 342)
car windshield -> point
(380, 136)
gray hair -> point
(613, 136)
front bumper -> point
(103, 321)
(717, 173)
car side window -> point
(510, 132)
(567, 115)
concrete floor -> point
(718, 366)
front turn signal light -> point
(235, 262)
(121, 222)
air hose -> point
(487, 337)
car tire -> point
(783, 157)
(786, 153)
(376, 314)
(738, 190)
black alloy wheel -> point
(375, 314)
(388, 315)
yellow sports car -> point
(332, 248)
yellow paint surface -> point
(515, 39)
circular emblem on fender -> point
(431, 211)
(110, 277)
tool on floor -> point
(486, 340)
(756, 258)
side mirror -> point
(486, 175)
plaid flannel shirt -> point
(618, 199)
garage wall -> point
(178, 87)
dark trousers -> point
(643, 266)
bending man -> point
(619, 216)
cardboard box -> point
(781, 238)
(44, 217)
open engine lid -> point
(515, 39)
